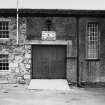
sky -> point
(55, 4)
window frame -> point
(5, 62)
(5, 20)
(97, 44)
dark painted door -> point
(89, 69)
(48, 62)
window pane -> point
(92, 41)
(7, 68)
(0, 67)
(0, 24)
(0, 28)
(7, 32)
(6, 27)
(4, 68)
(4, 32)
(7, 64)
(7, 24)
(4, 65)
(0, 64)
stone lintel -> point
(56, 42)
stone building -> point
(15, 55)
(52, 44)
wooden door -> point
(48, 62)
(89, 63)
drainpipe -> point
(17, 18)
(78, 81)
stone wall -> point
(19, 63)
(19, 54)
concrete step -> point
(49, 84)
(3, 81)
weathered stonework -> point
(22, 30)
(19, 54)
(19, 63)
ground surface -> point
(19, 95)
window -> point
(4, 64)
(4, 29)
(92, 40)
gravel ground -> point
(15, 94)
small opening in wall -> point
(48, 23)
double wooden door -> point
(48, 62)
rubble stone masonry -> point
(19, 54)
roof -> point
(54, 4)
(61, 12)
(8, 12)
(53, 7)
(52, 12)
